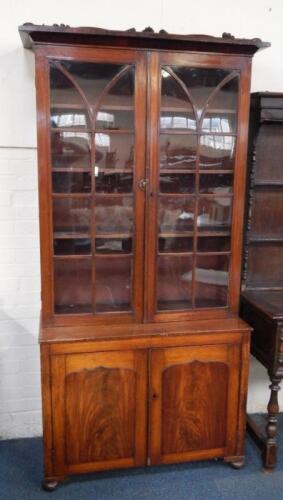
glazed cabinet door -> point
(193, 402)
(198, 120)
(99, 410)
(92, 147)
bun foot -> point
(49, 484)
(238, 464)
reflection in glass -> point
(64, 117)
(214, 213)
(115, 120)
(113, 284)
(114, 215)
(176, 214)
(213, 244)
(216, 183)
(212, 281)
(111, 182)
(177, 183)
(217, 151)
(72, 285)
(219, 122)
(72, 246)
(108, 246)
(71, 182)
(115, 150)
(70, 149)
(174, 282)
(175, 244)
(178, 151)
(177, 120)
(71, 215)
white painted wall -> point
(19, 246)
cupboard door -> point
(99, 417)
(96, 144)
(194, 402)
(196, 174)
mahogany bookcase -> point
(142, 141)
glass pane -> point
(184, 244)
(113, 284)
(269, 145)
(267, 213)
(176, 109)
(72, 246)
(120, 94)
(114, 150)
(114, 215)
(112, 182)
(108, 246)
(73, 287)
(114, 120)
(217, 152)
(213, 244)
(177, 183)
(216, 183)
(71, 215)
(70, 150)
(200, 81)
(178, 151)
(174, 282)
(66, 116)
(176, 214)
(214, 213)
(221, 113)
(212, 281)
(62, 90)
(71, 182)
(92, 78)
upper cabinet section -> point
(141, 172)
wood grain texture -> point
(102, 408)
(194, 415)
(100, 414)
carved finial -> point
(131, 30)
(228, 36)
(148, 29)
(61, 25)
(163, 32)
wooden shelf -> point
(265, 239)
(70, 235)
(271, 184)
(72, 195)
(105, 107)
(193, 171)
(113, 235)
(184, 109)
(95, 131)
(72, 170)
(72, 256)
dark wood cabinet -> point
(142, 142)
(262, 297)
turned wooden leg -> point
(270, 451)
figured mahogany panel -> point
(194, 396)
(100, 403)
(100, 414)
(194, 415)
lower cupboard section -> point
(134, 407)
